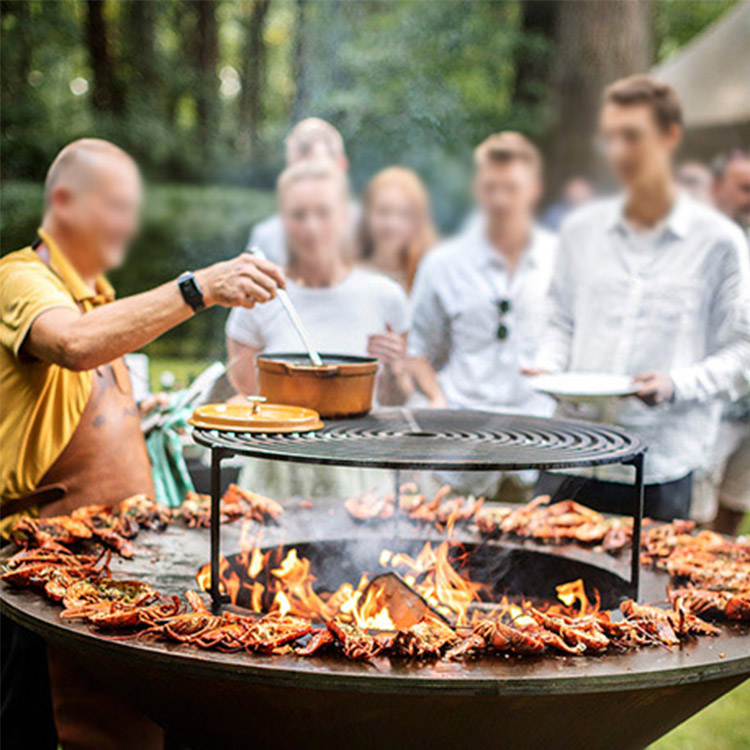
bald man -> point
(69, 428)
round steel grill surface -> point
(440, 439)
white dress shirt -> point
(456, 316)
(673, 300)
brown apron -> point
(104, 462)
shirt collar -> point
(488, 255)
(677, 221)
(59, 263)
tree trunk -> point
(537, 33)
(254, 72)
(597, 43)
(207, 57)
(107, 94)
(300, 64)
(140, 46)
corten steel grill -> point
(449, 440)
(212, 700)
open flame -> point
(433, 583)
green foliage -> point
(184, 227)
(723, 725)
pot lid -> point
(255, 416)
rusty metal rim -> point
(247, 667)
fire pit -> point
(210, 699)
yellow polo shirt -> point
(40, 403)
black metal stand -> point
(447, 440)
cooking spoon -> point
(293, 316)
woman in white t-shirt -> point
(347, 310)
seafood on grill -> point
(117, 615)
(235, 504)
(195, 510)
(370, 507)
(666, 625)
(320, 639)
(274, 631)
(89, 595)
(238, 502)
(726, 604)
(57, 531)
(51, 570)
(354, 643)
(426, 639)
(145, 512)
(109, 528)
(561, 522)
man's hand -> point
(388, 347)
(654, 387)
(240, 282)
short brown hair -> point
(505, 147)
(660, 97)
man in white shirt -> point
(655, 285)
(478, 297)
(311, 139)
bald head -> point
(314, 139)
(93, 196)
(77, 164)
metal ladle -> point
(293, 316)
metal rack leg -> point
(635, 562)
(216, 598)
(397, 495)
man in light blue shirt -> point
(655, 285)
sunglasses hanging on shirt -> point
(503, 307)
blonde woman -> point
(396, 229)
(346, 309)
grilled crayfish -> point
(733, 606)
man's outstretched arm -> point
(81, 342)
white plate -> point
(584, 386)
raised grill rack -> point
(450, 440)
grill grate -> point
(440, 439)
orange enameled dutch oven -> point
(342, 386)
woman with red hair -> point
(396, 228)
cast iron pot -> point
(341, 387)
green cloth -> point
(171, 477)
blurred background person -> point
(478, 298)
(732, 187)
(730, 478)
(696, 179)
(576, 191)
(347, 310)
(311, 139)
(396, 228)
(655, 285)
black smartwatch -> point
(191, 290)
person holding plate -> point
(654, 285)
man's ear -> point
(675, 135)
